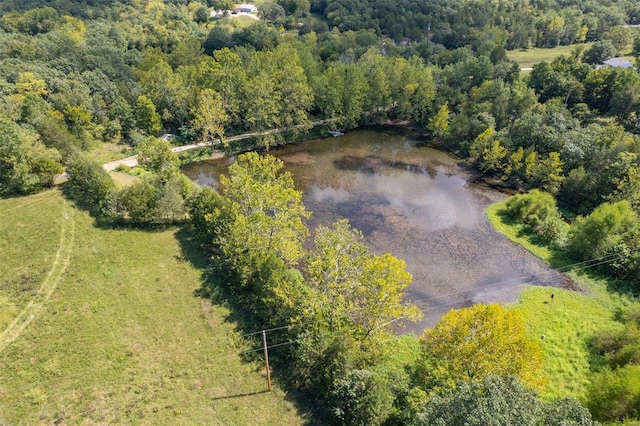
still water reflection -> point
(416, 203)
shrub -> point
(538, 210)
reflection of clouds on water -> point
(433, 204)
(328, 194)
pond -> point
(418, 204)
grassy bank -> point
(123, 336)
(567, 320)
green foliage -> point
(538, 210)
(619, 348)
(147, 119)
(264, 213)
(201, 205)
(439, 123)
(89, 183)
(596, 234)
(362, 398)
(470, 344)
(498, 400)
(26, 166)
(614, 395)
(600, 51)
(356, 291)
(155, 155)
(210, 116)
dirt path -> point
(48, 286)
(133, 160)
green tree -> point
(89, 183)
(210, 116)
(614, 395)
(499, 400)
(264, 213)
(26, 165)
(599, 52)
(594, 235)
(362, 398)
(357, 291)
(439, 124)
(138, 201)
(155, 155)
(538, 210)
(545, 173)
(472, 343)
(147, 118)
(493, 158)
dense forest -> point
(79, 76)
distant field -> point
(123, 337)
(567, 320)
(528, 58)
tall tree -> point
(210, 116)
(357, 291)
(264, 214)
(472, 343)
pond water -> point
(416, 203)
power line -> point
(562, 269)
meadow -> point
(566, 318)
(108, 326)
(529, 57)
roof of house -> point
(618, 62)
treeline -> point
(335, 306)
(520, 24)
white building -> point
(247, 8)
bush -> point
(538, 210)
(598, 234)
(361, 398)
(89, 183)
(615, 394)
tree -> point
(88, 182)
(147, 118)
(155, 155)
(499, 400)
(599, 52)
(614, 395)
(361, 398)
(26, 165)
(472, 343)
(594, 235)
(357, 291)
(439, 124)
(210, 116)
(620, 37)
(538, 210)
(271, 12)
(264, 213)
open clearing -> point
(568, 319)
(122, 336)
(528, 58)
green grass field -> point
(568, 320)
(104, 326)
(528, 58)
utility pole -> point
(266, 359)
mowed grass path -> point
(123, 339)
(568, 320)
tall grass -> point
(568, 319)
